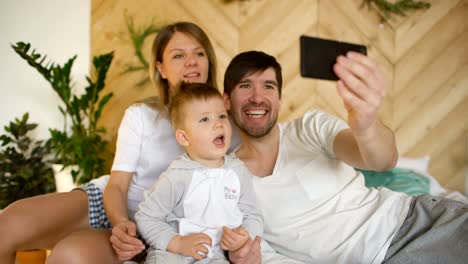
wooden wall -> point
(424, 56)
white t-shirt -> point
(317, 209)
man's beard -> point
(256, 132)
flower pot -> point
(63, 178)
(34, 256)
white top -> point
(146, 146)
(190, 198)
(316, 208)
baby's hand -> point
(234, 239)
(193, 245)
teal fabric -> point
(400, 180)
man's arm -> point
(247, 254)
(368, 144)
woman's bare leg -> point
(86, 246)
(41, 221)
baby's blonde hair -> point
(189, 92)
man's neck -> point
(260, 154)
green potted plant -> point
(80, 142)
(24, 163)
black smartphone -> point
(319, 55)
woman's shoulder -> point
(147, 108)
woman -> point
(145, 147)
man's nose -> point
(255, 95)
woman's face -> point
(184, 59)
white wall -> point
(58, 28)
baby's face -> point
(207, 130)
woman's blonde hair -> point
(160, 44)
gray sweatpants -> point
(434, 231)
(165, 257)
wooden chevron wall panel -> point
(423, 54)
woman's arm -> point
(124, 231)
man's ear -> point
(181, 138)
(227, 101)
(160, 69)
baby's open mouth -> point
(219, 140)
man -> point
(315, 205)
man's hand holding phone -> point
(362, 88)
(360, 83)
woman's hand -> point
(247, 254)
(194, 245)
(124, 241)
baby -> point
(204, 202)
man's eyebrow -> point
(271, 82)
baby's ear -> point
(181, 138)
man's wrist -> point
(237, 255)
